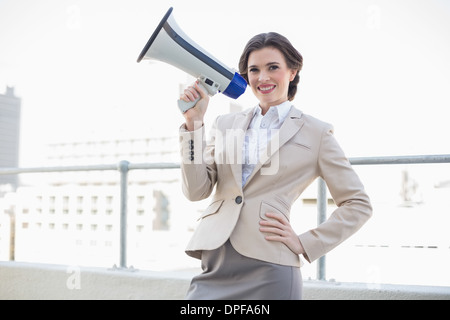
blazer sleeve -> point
(198, 169)
(353, 203)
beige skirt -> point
(228, 275)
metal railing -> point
(124, 167)
(390, 160)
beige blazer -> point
(303, 149)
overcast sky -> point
(377, 70)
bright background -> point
(377, 70)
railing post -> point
(321, 217)
(123, 168)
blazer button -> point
(238, 200)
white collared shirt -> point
(259, 133)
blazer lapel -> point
(292, 124)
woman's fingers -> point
(279, 229)
(189, 94)
(277, 226)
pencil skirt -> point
(228, 275)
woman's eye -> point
(253, 70)
(273, 67)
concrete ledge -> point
(30, 281)
(324, 290)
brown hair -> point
(294, 59)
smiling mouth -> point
(266, 89)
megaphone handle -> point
(184, 106)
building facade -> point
(10, 107)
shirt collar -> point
(281, 109)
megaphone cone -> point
(169, 44)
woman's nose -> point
(263, 76)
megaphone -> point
(169, 44)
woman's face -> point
(269, 76)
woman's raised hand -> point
(194, 116)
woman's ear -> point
(293, 74)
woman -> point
(258, 162)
